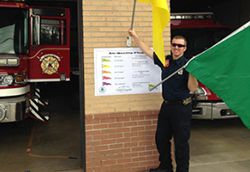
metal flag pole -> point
(133, 15)
(168, 77)
(132, 23)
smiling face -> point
(178, 47)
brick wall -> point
(119, 129)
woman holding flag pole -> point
(175, 114)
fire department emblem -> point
(167, 63)
(50, 63)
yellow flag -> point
(161, 18)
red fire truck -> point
(34, 48)
(202, 32)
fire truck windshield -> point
(200, 39)
(13, 31)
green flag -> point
(225, 69)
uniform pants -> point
(174, 121)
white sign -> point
(121, 71)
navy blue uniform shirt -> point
(175, 88)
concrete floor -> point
(215, 146)
(220, 146)
(53, 142)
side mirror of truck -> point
(36, 30)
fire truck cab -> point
(34, 48)
(202, 32)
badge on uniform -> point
(167, 63)
(180, 72)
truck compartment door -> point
(49, 58)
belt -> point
(181, 102)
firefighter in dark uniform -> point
(175, 114)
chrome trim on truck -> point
(211, 110)
(16, 109)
